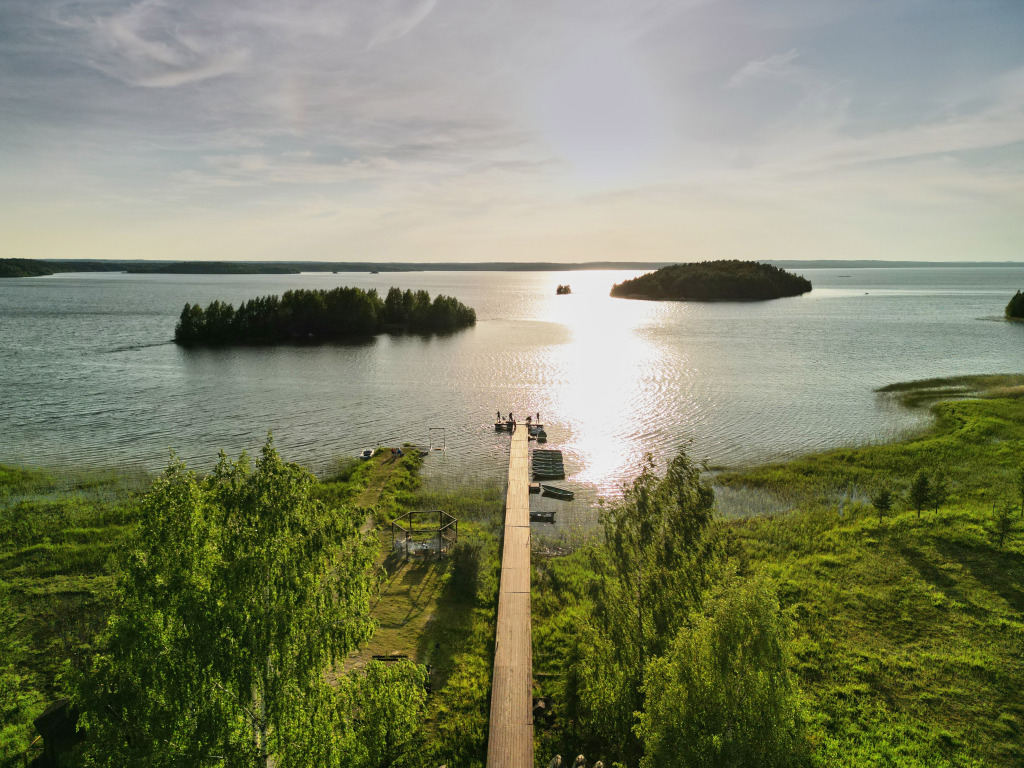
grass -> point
(907, 634)
(421, 614)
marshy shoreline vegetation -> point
(867, 631)
(725, 280)
(320, 315)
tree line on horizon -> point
(726, 280)
(320, 315)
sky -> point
(519, 130)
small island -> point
(302, 316)
(563, 290)
(714, 281)
(1015, 309)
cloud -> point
(460, 116)
(776, 66)
(147, 45)
(403, 23)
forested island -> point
(38, 268)
(212, 268)
(320, 315)
(731, 280)
(1015, 309)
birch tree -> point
(241, 589)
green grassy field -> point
(907, 634)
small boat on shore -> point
(542, 517)
(557, 493)
(366, 453)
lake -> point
(89, 376)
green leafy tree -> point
(388, 701)
(239, 591)
(19, 701)
(722, 695)
(1002, 523)
(882, 502)
(1015, 308)
(939, 492)
(663, 551)
(920, 494)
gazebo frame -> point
(415, 534)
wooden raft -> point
(510, 743)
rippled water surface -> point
(88, 374)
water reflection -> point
(88, 377)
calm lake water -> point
(88, 375)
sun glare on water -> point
(600, 381)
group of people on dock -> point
(511, 420)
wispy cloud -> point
(403, 22)
(779, 65)
(144, 45)
(435, 124)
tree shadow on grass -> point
(445, 634)
(1000, 571)
(931, 573)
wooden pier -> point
(510, 743)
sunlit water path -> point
(88, 375)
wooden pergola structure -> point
(428, 533)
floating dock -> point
(510, 740)
(547, 465)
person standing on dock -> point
(499, 415)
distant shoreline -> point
(47, 267)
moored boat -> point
(542, 517)
(558, 493)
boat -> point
(366, 453)
(503, 426)
(534, 487)
(558, 493)
(542, 517)
(542, 436)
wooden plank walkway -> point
(510, 743)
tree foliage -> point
(386, 706)
(322, 315)
(1015, 307)
(239, 591)
(18, 698)
(882, 502)
(919, 496)
(715, 281)
(721, 696)
(665, 556)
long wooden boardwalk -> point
(510, 744)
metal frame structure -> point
(427, 540)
